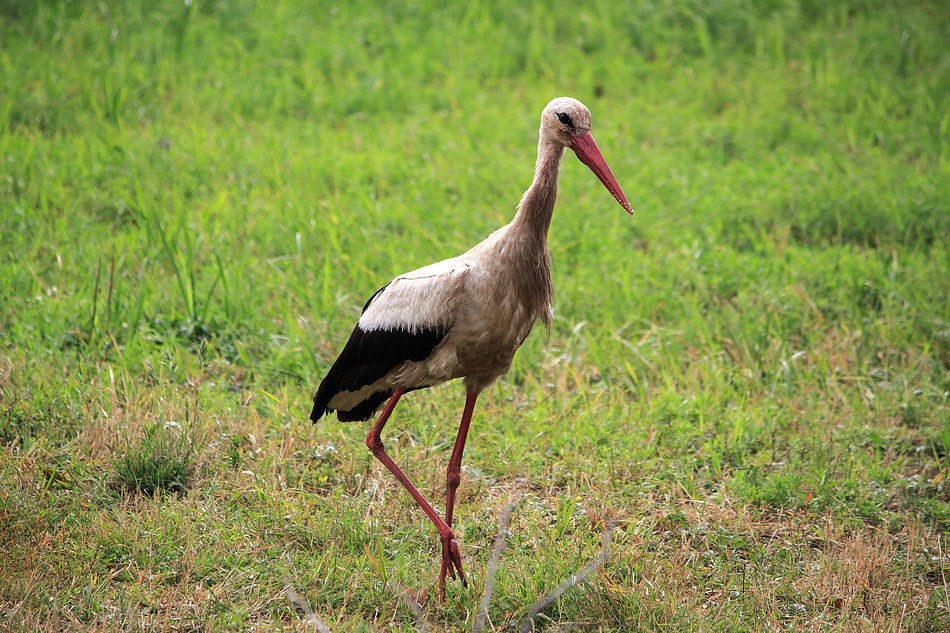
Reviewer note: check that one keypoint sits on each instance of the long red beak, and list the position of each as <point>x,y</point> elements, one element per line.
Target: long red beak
<point>587,150</point>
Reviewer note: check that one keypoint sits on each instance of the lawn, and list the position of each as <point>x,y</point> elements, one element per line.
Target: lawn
<point>739,420</point>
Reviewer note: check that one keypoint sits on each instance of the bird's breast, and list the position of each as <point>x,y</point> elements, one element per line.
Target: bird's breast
<point>497,318</point>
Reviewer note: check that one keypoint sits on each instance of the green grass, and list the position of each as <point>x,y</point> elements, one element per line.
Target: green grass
<point>750,378</point>
<point>162,460</point>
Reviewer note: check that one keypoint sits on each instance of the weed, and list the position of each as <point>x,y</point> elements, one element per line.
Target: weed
<point>164,459</point>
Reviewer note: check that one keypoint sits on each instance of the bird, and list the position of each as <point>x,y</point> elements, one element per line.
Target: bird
<point>463,317</point>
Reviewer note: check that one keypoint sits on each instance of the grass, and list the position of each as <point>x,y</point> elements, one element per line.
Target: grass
<point>163,460</point>
<point>749,380</point>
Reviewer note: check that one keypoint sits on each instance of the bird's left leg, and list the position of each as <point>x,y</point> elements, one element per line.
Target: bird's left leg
<point>453,477</point>
<point>450,548</point>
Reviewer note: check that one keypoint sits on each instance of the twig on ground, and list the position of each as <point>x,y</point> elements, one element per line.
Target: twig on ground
<point>492,572</point>
<point>568,583</point>
<point>309,617</point>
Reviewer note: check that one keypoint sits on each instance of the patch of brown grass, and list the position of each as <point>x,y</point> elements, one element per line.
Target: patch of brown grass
<point>709,564</point>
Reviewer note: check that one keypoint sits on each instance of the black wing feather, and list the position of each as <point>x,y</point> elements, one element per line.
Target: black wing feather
<point>367,357</point>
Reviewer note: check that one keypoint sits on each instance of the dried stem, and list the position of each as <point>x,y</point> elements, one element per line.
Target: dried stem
<point>309,617</point>
<point>568,583</point>
<point>492,572</point>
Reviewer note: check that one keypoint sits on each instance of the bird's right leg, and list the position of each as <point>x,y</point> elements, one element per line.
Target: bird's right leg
<point>450,548</point>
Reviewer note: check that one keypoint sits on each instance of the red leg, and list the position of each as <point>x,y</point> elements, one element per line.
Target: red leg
<point>451,558</point>
<point>453,477</point>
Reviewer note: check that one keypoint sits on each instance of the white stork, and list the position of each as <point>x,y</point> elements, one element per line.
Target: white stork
<point>463,317</point>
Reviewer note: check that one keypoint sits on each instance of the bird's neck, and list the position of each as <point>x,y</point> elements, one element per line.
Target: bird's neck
<point>537,204</point>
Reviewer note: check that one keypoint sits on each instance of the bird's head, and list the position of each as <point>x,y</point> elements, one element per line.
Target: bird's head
<point>566,122</point>
<point>563,119</point>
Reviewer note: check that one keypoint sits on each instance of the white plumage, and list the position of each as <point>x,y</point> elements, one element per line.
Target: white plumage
<point>417,299</point>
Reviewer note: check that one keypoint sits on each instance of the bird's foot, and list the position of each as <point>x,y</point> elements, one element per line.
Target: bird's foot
<point>451,562</point>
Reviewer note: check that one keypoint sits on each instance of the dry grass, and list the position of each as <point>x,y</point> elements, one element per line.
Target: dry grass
<point>798,571</point>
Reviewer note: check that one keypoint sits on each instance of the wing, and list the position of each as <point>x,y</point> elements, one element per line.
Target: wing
<point>403,322</point>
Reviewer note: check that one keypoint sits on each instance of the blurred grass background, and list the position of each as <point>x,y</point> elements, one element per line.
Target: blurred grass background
<point>751,376</point>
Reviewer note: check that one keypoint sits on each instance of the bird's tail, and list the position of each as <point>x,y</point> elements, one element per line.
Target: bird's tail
<point>318,409</point>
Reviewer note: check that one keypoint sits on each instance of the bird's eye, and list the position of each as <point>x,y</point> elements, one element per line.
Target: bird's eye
<point>565,120</point>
